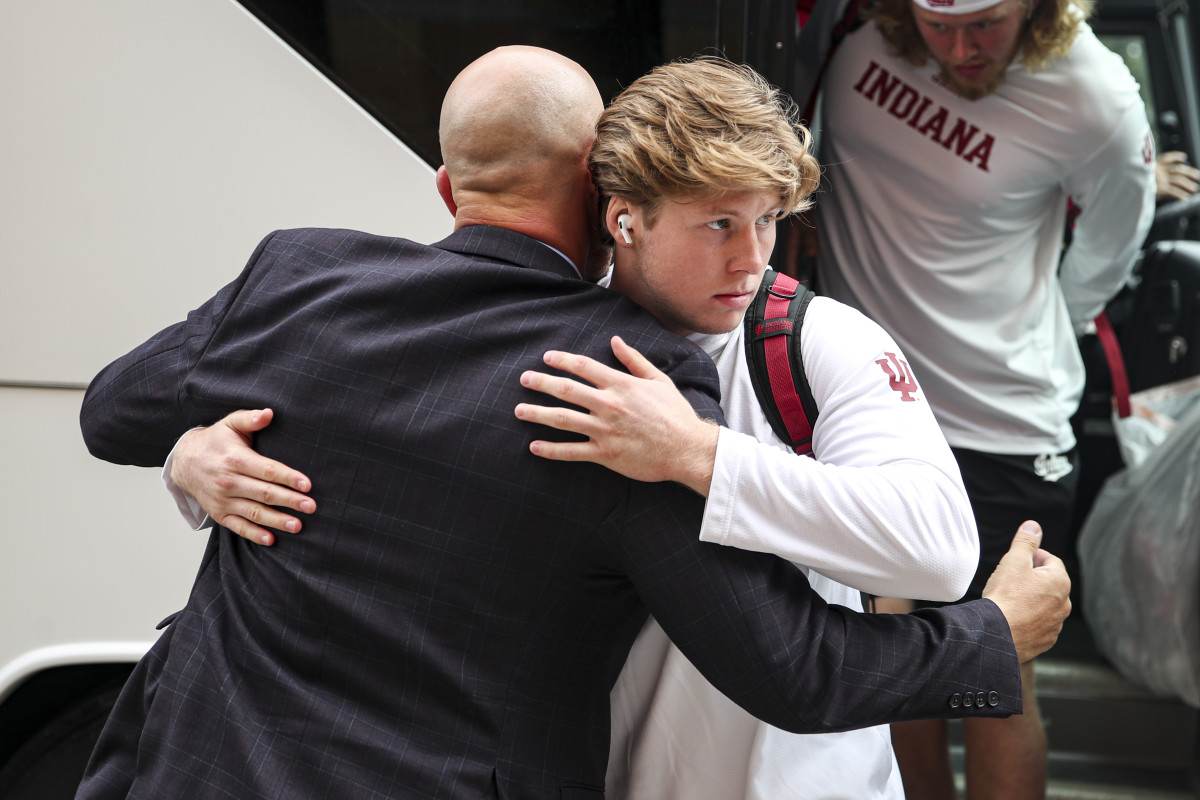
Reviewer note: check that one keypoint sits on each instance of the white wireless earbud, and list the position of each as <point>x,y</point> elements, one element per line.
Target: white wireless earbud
<point>623,223</point>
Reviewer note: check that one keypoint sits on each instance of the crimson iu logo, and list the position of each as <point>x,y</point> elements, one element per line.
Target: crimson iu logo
<point>899,376</point>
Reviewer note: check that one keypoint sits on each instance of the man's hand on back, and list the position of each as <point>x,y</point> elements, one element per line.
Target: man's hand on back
<point>238,488</point>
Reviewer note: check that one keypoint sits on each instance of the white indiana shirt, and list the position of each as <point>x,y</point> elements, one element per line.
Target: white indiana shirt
<point>881,509</point>
<point>944,224</point>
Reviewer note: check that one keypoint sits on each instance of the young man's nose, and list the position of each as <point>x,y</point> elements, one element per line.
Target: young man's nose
<point>748,253</point>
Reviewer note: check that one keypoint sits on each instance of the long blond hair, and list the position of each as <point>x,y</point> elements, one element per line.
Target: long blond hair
<point>1047,36</point>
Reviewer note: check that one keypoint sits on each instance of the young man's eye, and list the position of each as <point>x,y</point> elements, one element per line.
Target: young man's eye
<point>718,224</point>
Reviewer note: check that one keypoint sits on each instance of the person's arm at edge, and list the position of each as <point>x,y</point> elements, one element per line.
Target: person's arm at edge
<point>1174,177</point>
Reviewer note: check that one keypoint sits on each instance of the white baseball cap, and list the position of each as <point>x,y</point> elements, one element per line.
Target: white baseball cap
<point>956,6</point>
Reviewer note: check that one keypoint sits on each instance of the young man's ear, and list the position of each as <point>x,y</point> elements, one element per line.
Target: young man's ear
<point>445,190</point>
<point>621,221</point>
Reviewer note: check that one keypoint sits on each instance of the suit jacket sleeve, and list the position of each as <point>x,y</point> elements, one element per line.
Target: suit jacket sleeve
<point>135,409</point>
<point>755,629</point>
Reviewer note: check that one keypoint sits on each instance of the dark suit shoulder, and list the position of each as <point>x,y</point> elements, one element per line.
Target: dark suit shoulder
<point>332,246</point>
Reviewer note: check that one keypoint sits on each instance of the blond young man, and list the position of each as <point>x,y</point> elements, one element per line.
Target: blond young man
<point>691,156</point>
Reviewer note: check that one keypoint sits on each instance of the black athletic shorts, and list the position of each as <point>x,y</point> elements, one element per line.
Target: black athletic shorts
<point>1006,490</point>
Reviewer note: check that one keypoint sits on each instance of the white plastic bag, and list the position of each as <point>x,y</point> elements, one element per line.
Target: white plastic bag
<point>1139,556</point>
<point>1155,413</point>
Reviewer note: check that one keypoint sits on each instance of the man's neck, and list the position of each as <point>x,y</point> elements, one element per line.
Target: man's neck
<point>549,233</point>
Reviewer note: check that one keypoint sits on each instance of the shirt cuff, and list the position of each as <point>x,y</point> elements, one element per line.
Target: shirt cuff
<point>189,509</point>
<point>718,509</point>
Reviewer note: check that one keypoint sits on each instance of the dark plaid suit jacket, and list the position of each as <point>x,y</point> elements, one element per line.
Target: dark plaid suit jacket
<point>450,622</point>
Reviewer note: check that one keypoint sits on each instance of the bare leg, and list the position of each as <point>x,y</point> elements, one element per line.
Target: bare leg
<point>923,753</point>
<point>893,605</point>
<point>922,747</point>
<point>1006,758</point>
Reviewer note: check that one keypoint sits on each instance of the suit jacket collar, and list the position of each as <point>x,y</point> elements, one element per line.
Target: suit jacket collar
<point>500,244</point>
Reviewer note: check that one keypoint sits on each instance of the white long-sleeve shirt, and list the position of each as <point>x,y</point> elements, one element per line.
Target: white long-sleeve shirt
<point>944,223</point>
<point>881,508</point>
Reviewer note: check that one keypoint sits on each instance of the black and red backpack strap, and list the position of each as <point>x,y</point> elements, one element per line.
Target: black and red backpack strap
<point>773,324</point>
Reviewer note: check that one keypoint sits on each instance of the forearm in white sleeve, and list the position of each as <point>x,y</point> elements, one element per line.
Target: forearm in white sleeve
<point>883,508</point>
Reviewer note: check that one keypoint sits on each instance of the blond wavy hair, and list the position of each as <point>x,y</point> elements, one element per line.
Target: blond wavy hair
<point>1047,36</point>
<point>694,128</point>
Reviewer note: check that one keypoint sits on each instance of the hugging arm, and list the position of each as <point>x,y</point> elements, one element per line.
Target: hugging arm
<point>638,424</point>
<point>758,631</point>
<point>755,629</point>
<point>881,509</point>
<point>239,489</point>
<point>138,406</point>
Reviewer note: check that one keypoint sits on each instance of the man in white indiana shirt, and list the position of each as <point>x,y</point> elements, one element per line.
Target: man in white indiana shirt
<point>953,132</point>
<point>881,508</point>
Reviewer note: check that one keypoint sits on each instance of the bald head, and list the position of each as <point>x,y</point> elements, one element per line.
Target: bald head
<point>515,117</point>
<point>517,127</point>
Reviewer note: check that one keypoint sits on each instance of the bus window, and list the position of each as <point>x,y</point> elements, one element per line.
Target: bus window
<point>397,57</point>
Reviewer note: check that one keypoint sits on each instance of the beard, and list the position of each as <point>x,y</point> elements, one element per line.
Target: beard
<point>974,91</point>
